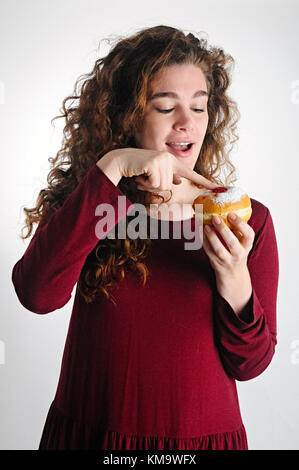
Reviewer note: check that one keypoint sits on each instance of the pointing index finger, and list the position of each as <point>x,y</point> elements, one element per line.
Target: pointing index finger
<point>191,175</point>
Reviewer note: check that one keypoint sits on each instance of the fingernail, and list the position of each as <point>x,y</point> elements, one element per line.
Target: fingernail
<point>232,216</point>
<point>216,219</point>
<point>207,229</point>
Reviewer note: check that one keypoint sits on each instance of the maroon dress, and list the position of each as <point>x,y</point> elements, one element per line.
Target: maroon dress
<point>158,369</point>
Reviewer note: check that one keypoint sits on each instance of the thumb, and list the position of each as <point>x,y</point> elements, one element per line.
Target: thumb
<point>176,179</point>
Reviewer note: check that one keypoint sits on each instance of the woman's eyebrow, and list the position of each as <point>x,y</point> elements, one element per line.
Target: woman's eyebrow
<point>171,94</point>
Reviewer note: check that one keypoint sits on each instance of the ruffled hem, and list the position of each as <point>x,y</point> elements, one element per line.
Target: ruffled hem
<point>62,433</point>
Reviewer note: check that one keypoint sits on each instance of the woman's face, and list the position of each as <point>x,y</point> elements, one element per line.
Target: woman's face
<point>176,112</point>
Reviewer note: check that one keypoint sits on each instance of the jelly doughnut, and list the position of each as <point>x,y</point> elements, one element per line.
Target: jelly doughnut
<point>223,200</point>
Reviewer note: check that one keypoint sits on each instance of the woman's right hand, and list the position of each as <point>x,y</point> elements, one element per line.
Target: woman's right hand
<point>155,170</point>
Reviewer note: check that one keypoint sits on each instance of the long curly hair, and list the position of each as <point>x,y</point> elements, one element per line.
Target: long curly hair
<point>104,113</point>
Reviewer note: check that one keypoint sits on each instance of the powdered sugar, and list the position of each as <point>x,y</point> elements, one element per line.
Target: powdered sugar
<point>233,194</point>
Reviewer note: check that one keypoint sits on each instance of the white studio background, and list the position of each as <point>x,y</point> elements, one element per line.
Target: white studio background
<point>45,46</point>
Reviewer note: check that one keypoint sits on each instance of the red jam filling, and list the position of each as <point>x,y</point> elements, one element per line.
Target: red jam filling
<point>219,190</point>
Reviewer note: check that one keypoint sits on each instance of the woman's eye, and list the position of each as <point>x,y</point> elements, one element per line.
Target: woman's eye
<point>169,110</point>
<point>164,110</point>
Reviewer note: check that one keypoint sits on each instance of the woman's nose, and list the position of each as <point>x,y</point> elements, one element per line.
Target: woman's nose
<point>184,122</point>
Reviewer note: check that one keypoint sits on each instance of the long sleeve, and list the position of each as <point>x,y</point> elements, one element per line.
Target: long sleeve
<point>247,342</point>
<point>45,275</point>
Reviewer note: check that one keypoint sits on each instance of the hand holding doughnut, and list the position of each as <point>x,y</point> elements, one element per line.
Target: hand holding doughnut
<point>228,258</point>
<point>233,279</point>
<point>231,259</point>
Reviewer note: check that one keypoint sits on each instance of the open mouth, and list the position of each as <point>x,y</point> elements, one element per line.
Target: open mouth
<point>179,147</point>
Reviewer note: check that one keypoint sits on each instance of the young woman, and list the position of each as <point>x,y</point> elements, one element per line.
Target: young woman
<point>150,365</point>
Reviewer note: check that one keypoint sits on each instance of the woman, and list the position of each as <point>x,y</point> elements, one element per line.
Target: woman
<point>151,365</point>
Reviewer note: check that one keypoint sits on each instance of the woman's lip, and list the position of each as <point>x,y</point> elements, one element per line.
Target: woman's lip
<point>180,153</point>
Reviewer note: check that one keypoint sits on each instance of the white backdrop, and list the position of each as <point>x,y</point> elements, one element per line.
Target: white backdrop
<point>45,45</point>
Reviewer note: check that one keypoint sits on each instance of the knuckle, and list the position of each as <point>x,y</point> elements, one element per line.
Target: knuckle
<point>155,183</point>
<point>160,156</point>
<point>166,157</point>
<point>219,252</point>
<point>232,243</point>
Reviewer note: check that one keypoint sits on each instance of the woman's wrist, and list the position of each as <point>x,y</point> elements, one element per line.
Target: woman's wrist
<point>236,290</point>
<point>109,166</point>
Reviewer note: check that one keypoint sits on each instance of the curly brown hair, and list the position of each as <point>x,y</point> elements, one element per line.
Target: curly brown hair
<point>104,114</point>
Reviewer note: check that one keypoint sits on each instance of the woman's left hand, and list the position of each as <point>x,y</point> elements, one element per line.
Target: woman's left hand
<point>230,262</point>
